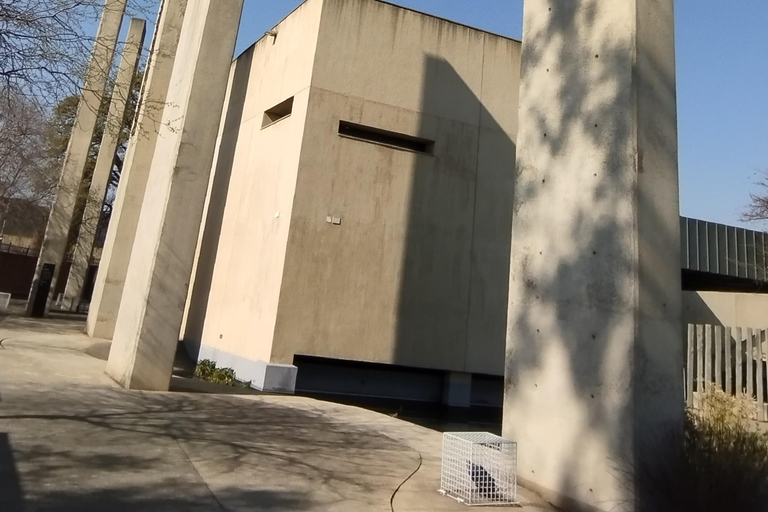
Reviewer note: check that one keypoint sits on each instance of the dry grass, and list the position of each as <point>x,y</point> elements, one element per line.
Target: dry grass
<point>719,464</point>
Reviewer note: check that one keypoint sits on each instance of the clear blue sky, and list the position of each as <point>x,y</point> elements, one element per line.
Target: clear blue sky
<point>722,61</point>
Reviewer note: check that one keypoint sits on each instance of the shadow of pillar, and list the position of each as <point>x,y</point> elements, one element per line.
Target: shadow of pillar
<point>11,495</point>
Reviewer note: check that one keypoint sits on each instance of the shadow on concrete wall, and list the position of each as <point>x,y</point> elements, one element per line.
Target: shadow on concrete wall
<point>697,311</point>
<point>577,307</point>
<point>454,281</point>
<point>192,330</point>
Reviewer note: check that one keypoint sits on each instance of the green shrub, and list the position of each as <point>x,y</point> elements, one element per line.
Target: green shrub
<point>719,464</point>
<point>207,370</point>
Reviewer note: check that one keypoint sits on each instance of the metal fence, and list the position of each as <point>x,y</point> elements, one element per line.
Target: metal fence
<point>16,249</point>
<point>728,358</point>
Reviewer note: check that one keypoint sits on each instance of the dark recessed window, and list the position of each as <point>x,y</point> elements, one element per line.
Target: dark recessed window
<point>278,112</point>
<point>385,138</point>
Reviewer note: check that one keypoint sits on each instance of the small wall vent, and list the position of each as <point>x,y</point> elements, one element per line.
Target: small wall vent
<point>278,112</point>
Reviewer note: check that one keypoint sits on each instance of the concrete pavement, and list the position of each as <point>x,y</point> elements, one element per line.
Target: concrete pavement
<point>72,440</point>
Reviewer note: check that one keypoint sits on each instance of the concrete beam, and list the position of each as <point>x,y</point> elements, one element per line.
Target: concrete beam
<point>152,306</point>
<point>108,287</point>
<point>594,353</point>
<point>113,127</point>
<point>54,246</point>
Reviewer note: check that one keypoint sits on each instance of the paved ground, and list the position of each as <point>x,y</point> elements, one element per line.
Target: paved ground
<point>71,440</point>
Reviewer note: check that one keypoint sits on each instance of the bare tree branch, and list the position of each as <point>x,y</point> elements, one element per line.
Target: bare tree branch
<point>758,206</point>
<point>45,45</point>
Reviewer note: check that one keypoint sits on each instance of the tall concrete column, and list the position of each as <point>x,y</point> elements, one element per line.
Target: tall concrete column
<point>594,355</point>
<point>54,244</point>
<point>152,306</point>
<point>113,127</point>
<point>108,287</point>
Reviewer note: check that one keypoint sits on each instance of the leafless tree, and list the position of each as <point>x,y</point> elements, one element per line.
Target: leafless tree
<point>25,170</point>
<point>45,45</point>
<point>26,174</point>
<point>758,205</point>
<point>45,48</point>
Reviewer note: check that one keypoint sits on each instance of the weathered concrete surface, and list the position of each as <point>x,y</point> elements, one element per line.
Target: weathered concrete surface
<point>156,285</point>
<point>104,162</point>
<point>434,229</point>
<point>594,352</point>
<point>239,271</point>
<point>108,288</point>
<point>72,440</point>
<point>416,273</point>
<point>54,244</point>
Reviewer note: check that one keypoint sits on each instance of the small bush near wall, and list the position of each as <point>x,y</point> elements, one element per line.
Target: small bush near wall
<point>206,370</point>
<point>719,464</point>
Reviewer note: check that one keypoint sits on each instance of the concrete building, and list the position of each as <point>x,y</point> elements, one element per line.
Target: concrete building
<point>358,224</point>
<point>22,224</point>
<point>360,206</point>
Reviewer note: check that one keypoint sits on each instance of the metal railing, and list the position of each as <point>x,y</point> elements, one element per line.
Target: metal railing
<point>17,249</point>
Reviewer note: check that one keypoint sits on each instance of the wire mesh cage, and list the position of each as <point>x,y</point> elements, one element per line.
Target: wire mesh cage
<point>479,468</point>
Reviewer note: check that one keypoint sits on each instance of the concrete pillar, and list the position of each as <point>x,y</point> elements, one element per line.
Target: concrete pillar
<point>108,287</point>
<point>594,354</point>
<point>457,389</point>
<point>103,170</point>
<point>152,306</point>
<point>54,244</point>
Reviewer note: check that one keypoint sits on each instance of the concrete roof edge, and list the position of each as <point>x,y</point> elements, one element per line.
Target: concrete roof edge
<point>470,27</point>
<point>273,27</point>
<point>453,22</point>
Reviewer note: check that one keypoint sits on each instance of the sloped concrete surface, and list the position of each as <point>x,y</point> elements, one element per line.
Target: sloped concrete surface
<point>72,440</point>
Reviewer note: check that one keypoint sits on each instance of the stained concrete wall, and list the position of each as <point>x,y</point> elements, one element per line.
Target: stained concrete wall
<point>593,378</point>
<point>415,274</point>
<point>727,309</point>
<point>241,257</point>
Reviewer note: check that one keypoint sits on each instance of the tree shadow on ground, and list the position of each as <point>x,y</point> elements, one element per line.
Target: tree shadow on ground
<point>132,499</point>
<point>115,450</point>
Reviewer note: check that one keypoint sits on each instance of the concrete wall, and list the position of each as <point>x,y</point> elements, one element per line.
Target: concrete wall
<point>416,273</point>
<point>727,309</point>
<point>245,260</point>
<point>594,359</point>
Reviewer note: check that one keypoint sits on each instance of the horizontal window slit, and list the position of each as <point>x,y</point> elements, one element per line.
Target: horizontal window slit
<point>386,138</point>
